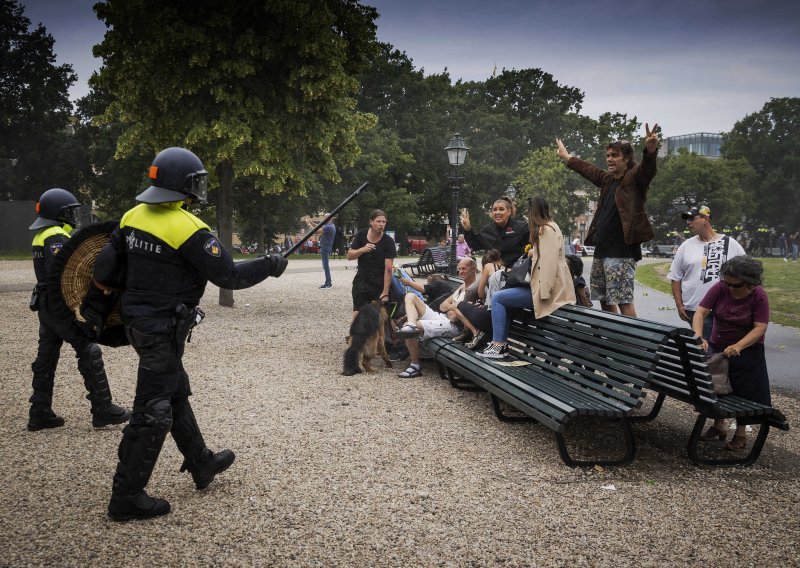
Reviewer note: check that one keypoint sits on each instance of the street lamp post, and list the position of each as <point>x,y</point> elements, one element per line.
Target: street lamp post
<point>456,154</point>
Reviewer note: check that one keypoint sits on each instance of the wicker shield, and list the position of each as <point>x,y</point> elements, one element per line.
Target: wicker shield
<point>71,275</point>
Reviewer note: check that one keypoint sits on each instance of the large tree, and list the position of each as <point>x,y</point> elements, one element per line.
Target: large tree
<point>687,180</point>
<point>262,89</point>
<point>37,148</point>
<point>768,140</point>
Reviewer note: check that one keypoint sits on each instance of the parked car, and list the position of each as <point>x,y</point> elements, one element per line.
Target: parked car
<point>416,246</point>
<point>587,251</point>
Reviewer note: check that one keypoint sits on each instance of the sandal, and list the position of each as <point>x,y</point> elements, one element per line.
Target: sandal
<point>463,337</point>
<point>408,331</point>
<point>738,443</point>
<point>477,341</point>
<point>713,433</point>
<point>411,372</point>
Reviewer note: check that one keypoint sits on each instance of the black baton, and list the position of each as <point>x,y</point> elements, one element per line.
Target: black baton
<point>330,216</point>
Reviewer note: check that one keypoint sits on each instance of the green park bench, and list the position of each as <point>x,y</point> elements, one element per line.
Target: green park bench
<point>432,260</point>
<point>682,373</point>
<point>595,364</point>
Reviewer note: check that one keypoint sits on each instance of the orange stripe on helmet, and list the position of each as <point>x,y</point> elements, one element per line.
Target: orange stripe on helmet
<point>153,172</point>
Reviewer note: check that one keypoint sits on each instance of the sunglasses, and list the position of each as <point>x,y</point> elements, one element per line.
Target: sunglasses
<point>735,286</point>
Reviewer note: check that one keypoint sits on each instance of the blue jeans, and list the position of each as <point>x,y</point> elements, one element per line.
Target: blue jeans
<point>502,301</point>
<point>326,265</point>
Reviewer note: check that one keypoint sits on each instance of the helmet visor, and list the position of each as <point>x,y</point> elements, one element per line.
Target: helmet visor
<point>197,186</point>
<point>72,215</point>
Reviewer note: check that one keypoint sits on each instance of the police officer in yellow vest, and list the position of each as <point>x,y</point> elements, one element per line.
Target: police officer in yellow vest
<point>56,216</point>
<point>169,255</point>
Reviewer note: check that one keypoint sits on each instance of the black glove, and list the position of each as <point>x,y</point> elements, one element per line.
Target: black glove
<point>95,309</point>
<point>277,264</point>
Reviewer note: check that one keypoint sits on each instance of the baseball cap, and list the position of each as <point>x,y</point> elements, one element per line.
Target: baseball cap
<point>695,211</point>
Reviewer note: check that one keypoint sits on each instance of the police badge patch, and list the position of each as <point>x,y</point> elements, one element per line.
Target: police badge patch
<point>213,247</point>
<point>55,247</point>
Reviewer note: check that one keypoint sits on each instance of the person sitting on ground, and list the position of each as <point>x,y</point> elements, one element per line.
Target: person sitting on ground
<point>425,322</point>
<point>550,285</point>
<point>575,265</point>
<point>475,316</point>
<point>741,316</point>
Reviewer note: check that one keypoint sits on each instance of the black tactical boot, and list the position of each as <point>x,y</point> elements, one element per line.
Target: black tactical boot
<point>141,444</point>
<point>42,418</point>
<point>92,368</point>
<point>210,464</point>
<point>112,414</point>
<point>139,506</point>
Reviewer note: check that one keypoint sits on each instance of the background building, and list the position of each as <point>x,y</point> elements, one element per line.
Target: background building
<point>701,143</point>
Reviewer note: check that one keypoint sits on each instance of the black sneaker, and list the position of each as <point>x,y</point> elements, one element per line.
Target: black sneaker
<point>494,351</point>
<point>396,355</point>
<point>112,415</point>
<point>44,419</point>
<point>139,506</point>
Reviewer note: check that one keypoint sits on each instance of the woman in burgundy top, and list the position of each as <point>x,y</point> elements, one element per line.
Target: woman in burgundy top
<point>741,316</point>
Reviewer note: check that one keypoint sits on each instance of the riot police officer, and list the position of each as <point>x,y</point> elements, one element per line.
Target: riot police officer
<point>168,256</point>
<point>56,217</point>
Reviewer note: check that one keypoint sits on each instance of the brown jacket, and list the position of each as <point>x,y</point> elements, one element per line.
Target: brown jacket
<point>630,197</point>
<point>551,283</point>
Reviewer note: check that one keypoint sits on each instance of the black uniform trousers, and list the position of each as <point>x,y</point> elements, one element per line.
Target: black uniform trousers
<point>161,404</point>
<point>53,332</point>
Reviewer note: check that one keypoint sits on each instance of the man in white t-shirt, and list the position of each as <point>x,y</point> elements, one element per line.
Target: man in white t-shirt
<point>697,263</point>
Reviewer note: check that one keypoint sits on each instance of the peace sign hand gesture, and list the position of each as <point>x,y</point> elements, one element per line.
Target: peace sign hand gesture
<point>561,150</point>
<point>651,140</point>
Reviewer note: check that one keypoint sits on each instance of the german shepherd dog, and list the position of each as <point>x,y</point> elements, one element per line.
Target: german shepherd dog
<point>366,339</point>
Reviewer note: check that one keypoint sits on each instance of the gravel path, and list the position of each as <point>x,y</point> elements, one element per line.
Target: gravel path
<point>365,470</point>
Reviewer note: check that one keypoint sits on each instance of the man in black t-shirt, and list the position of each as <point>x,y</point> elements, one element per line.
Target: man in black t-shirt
<point>375,252</point>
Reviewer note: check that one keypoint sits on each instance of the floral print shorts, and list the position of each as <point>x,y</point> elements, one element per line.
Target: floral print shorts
<point>612,280</point>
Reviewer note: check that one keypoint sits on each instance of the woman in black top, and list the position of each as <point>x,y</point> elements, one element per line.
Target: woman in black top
<point>375,252</point>
<point>506,234</point>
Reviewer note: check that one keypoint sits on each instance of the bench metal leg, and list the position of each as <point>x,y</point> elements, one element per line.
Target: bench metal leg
<point>459,382</point>
<point>630,449</point>
<point>749,459</point>
<point>653,411</point>
<point>507,417</point>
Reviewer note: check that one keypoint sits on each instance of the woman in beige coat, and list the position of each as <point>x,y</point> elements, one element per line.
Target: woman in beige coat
<point>550,286</point>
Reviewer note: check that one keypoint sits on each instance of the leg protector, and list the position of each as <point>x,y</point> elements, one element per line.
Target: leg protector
<point>93,371</point>
<point>201,462</point>
<point>41,413</point>
<point>141,444</point>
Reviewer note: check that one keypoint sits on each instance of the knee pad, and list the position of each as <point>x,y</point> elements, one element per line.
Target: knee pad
<point>90,359</point>
<point>158,414</point>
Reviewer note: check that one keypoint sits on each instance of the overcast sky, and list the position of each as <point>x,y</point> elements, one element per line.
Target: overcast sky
<point>690,65</point>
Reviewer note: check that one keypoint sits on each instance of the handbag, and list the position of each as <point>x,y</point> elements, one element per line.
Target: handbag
<point>718,367</point>
<point>520,273</point>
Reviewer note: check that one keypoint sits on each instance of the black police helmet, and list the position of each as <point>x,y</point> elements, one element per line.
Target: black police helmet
<point>55,207</point>
<point>176,174</point>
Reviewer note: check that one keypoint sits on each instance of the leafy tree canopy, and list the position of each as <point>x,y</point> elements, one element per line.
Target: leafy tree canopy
<point>768,140</point>
<point>37,149</point>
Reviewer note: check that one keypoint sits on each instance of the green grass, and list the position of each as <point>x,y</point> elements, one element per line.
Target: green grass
<point>781,283</point>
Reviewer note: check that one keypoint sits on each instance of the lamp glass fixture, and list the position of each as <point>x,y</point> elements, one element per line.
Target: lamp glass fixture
<point>457,150</point>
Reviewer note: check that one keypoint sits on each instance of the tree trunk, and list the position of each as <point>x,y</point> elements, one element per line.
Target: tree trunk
<point>262,237</point>
<point>225,218</point>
